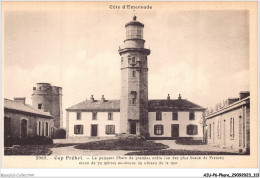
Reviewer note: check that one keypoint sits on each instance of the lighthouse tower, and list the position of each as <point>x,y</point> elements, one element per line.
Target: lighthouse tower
<point>134,81</point>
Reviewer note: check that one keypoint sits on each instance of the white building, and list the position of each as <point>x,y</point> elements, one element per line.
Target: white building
<point>167,119</point>
<point>134,113</point>
<point>229,126</point>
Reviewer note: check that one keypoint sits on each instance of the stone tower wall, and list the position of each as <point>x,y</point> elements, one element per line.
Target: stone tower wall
<point>51,99</point>
<point>134,86</point>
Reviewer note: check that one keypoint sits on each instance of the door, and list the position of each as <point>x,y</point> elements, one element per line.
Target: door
<point>7,126</point>
<point>23,128</point>
<point>93,130</point>
<point>133,128</point>
<point>175,130</point>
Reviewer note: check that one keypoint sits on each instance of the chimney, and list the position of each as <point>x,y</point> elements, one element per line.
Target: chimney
<point>20,99</point>
<point>243,94</point>
<point>168,97</point>
<point>232,100</point>
<point>179,97</point>
<point>102,99</point>
<point>92,99</point>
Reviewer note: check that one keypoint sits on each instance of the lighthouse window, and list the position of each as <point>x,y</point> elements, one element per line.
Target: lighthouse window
<point>133,73</point>
<point>133,100</point>
<point>133,60</point>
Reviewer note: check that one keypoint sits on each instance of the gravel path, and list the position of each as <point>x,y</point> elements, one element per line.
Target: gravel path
<point>172,145</point>
<point>70,150</point>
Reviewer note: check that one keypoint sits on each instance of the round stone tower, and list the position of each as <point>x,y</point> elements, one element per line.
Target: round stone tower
<point>134,81</point>
<point>48,98</point>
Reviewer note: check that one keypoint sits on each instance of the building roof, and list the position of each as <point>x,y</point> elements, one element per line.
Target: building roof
<point>172,104</point>
<point>97,105</point>
<point>134,22</point>
<point>153,105</point>
<point>17,106</point>
<point>229,107</point>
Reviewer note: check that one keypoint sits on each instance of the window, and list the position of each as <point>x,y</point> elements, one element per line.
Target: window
<point>133,99</point>
<point>39,106</point>
<point>158,130</point>
<point>24,128</point>
<point>192,129</point>
<point>133,31</point>
<point>133,74</point>
<point>174,116</point>
<point>219,129</point>
<point>42,132</point>
<point>192,116</point>
<point>7,126</point>
<point>209,130</point>
<point>39,128</point>
<point>133,60</point>
<point>110,116</point>
<point>94,116</point>
<point>47,129</point>
<point>78,129</point>
<point>158,116</point>
<point>78,116</point>
<point>232,128</point>
<point>110,129</point>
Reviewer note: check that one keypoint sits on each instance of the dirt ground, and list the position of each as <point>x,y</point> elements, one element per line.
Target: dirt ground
<point>70,150</point>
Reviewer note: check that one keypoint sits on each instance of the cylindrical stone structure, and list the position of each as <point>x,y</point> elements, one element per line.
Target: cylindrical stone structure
<point>48,98</point>
<point>134,81</point>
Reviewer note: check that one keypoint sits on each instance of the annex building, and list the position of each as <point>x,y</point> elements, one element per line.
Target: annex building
<point>228,126</point>
<point>134,113</point>
<point>43,118</point>
<point>22,120</point>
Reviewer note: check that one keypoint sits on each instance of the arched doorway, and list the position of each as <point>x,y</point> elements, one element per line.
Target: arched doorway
<point>23,128</point>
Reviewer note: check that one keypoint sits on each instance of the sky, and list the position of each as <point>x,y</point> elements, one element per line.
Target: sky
<point>202,55</point>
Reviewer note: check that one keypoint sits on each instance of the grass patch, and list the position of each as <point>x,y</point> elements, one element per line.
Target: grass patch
<point>122,144</point>
<point>189,142</point>
<point>180,152</point>
<point>66,144</point>
<point>29,150</point>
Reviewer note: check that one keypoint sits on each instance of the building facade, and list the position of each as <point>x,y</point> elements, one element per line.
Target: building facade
<point>93,118</point>
<point>22,120</point>
<point>167,119</point>
<point>134,113</point>
<point>229,126</point>
<point>48,98</point>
